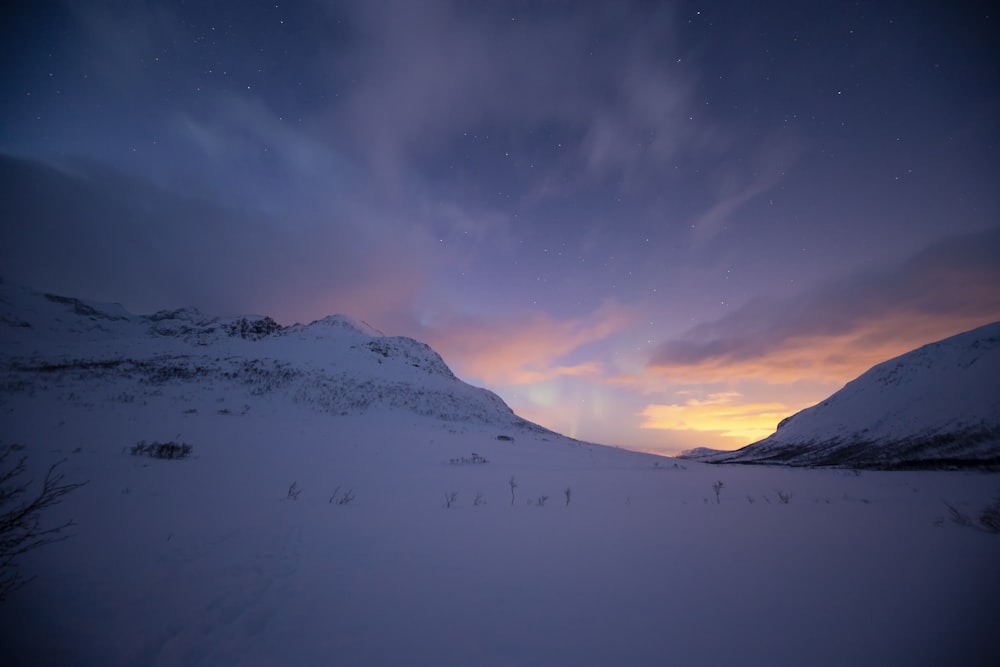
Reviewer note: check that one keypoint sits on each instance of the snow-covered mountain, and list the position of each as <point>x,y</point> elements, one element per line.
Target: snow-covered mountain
<point>343,499</point>
<point>936,406</point>
<point>334,365</point>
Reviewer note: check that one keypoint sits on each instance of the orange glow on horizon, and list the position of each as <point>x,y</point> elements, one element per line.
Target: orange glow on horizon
<point>719,402</point>
<point>716,402</point>
<point>724,414</point>
<point>817,361</point>
<point>526,350</point>
<point>836,358</point>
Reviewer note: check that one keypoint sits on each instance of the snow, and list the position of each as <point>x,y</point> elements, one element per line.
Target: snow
<point>937,405</point>
<point>208,561</point>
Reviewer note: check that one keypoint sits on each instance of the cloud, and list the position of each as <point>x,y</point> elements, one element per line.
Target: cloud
<point>96,231</point>
<point>428,72</point>
<point>737,186</point>
<point>525,349</point>
<point>840,329</point>
<point>238,150</point>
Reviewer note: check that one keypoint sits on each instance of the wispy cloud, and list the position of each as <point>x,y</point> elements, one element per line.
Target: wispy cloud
<point>112,235</point>
<point>430,71</point>
<point>738,184</point>
<point>790,353</point>
<point>840,329</point>
<point>524,349</point>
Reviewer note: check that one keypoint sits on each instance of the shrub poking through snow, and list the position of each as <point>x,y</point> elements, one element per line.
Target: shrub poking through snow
<point>958,516</point>
<point>990,517</point>
<point>293,491</point>
<point>568,492</point>
<point>717,487</point>
<point>344,499</point>
<point>783,497</point>
<point>450,498</point>
<point>988,520</point>
<point>479,499</point>
<point>513,485</point>
<point>162,450</point>
<point>476,459</point>
<point>20,515</point>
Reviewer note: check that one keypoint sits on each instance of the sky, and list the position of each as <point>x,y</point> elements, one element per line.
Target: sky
<point>657,225</point>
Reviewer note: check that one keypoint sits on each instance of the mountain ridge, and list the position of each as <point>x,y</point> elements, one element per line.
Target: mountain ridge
<point>336,365</point>
<point>935,406</point>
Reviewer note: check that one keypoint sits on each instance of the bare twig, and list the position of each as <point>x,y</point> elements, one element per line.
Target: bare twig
<point>717,487</point>
<point>20,525</point>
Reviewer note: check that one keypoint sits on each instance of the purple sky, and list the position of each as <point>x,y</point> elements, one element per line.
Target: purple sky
<point>657,225</point>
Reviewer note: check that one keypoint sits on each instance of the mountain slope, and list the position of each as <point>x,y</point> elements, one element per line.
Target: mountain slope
<point>938,405</point>
<point>335,365</point>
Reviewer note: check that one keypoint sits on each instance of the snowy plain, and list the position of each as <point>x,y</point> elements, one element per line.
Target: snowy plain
<point>210,560</point>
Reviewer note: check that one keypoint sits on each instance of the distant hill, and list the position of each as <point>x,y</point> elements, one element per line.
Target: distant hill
<point>700,453</point>
<point>936,406</point>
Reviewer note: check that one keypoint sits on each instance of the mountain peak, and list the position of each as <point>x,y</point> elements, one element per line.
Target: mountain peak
<point>344,323</point>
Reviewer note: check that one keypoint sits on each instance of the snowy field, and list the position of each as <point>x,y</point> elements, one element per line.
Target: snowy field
<point>310,525</point>
<point>209,561</point>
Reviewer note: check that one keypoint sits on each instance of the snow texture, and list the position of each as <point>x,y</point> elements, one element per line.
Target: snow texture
<point>310,526</point>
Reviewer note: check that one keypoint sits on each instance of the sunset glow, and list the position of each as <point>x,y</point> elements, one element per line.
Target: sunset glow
<point>654,225</point>
<point>724,414</point>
